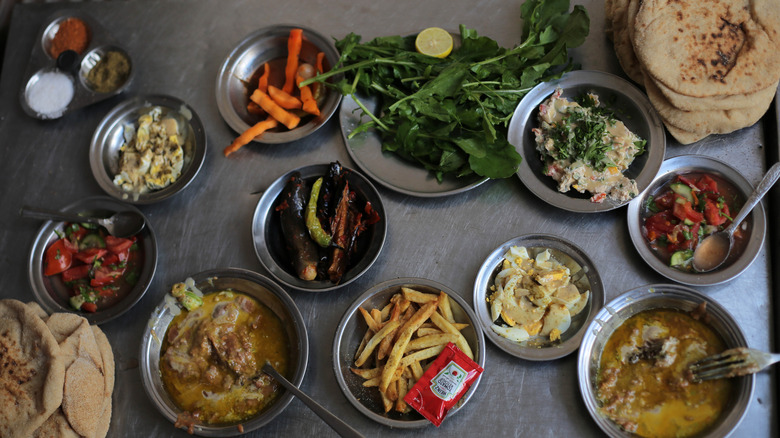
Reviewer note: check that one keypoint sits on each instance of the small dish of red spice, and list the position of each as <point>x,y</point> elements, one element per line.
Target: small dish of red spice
<point>72,34</point>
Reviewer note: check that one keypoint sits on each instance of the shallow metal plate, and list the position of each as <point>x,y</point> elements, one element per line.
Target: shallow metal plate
<point>248,56</point>
<point>633,109</point>
<point>239,280</point>
<point>650,297</point>
<point>53,295</point>
<point>388,169</point>
<point>352,327</point>
<point>41,61</point>
<point>566,253</point>
<point>269,242</point>
<point>738,261</point>
<point>109,137</point>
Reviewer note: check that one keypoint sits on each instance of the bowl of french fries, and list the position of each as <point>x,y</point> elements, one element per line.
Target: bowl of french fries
<point>389,335</point>
<point>258,91</point>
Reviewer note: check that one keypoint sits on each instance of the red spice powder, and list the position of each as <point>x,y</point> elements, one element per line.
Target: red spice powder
<point>72,34</point>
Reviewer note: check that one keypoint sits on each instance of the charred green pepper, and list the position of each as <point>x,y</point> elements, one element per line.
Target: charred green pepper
<point>313,224</point>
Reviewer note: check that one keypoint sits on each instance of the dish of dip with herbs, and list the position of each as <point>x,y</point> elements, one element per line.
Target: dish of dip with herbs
<point>586,148</point>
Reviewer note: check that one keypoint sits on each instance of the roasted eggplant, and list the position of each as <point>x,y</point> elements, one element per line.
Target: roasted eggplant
<point>300,247</point>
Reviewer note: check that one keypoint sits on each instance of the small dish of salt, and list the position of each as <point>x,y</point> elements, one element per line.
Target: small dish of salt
<point>48,93</point>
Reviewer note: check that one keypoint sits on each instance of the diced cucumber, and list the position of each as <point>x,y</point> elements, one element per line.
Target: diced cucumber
<point>681,258</point>
<point>683,190</point>
<point>92,240</point>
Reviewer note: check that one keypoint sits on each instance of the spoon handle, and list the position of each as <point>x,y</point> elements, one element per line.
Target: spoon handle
<point>766,183</point>
<point>45,214</point>
<point>336,423</point>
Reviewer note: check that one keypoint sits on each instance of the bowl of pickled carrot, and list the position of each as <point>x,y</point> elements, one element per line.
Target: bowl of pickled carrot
<point>258,86</point>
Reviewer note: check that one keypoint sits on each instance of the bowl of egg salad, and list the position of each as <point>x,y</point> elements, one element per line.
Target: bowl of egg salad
<point>147,148</point>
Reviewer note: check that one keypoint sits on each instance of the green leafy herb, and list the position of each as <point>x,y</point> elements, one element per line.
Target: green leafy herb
<point>650,205</point>
<point>450,115</point>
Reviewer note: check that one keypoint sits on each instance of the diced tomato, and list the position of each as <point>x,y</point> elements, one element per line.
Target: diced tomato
<point>706,183</point>
<point>658,224</point>
<point>71,244</point>
<point>57,258</point>
<point>684,211</point>
<point>105,291</point>
<point>117,244</point>
<point>89,307</point>
<point>78,233</point>
<point>687,181</point>
<point>105,275</point>
<point>75,273</point>
<point>666,201</point>
<point>712,213</point>
<point>89,255</point>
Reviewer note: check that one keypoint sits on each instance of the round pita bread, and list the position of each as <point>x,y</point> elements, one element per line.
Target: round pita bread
<point>683,137</point>
<point>56,426</point>
<point>624,50</point>
<point>109,369</point>
<point>83,396</point>
<point>704,122</point>
<point>31,370</point>
<point>705,48</point>
<point>734,101</point>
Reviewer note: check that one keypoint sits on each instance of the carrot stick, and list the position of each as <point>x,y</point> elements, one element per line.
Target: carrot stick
<point>294,43</point>
<point>317,87</point>
<point>309,102</point>
<point>262,83</point>
<point>250,134</point>
<point>280,114</point>
<point>284,100</point>
<point>254,108</point>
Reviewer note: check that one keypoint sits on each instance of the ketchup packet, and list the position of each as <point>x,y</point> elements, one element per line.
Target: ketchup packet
<point>443,384</point>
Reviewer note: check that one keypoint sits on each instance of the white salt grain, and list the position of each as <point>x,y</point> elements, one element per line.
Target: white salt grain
<point>50,94</point>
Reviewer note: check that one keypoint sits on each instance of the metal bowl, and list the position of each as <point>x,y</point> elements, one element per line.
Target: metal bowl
<point>266,45</point>
<point>52,294</point>
<point>352,327</point>
<point>388,169</point>
<point>109,137</point>
<point>239,280</point>
<point>269,242</point>
<point>651,297</point>
<point>633,109</point>
<point>741,256</point>
<point>565,252</point>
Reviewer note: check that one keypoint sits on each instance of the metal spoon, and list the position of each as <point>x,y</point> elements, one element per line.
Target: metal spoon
<point>714,249</point>
<point>124,223</point>
<point>337,424</point>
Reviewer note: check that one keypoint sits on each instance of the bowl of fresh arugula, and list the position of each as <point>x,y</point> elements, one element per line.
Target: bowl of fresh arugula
<point>446,118</point>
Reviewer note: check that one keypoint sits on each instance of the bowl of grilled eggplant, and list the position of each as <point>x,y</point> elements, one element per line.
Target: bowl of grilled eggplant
<point>319,227</point>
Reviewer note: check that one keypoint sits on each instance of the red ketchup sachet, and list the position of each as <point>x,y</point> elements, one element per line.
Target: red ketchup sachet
<point>443,384</point>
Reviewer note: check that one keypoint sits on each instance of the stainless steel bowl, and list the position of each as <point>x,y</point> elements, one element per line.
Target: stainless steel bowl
<point>104,151</point>
<point>239,280</point>
<point>566,253</point>
<point>742,256</point>
<point>269,242</point>
<point>652,297</point>
<point>352,327</point>
<point>52,294</point>
<point>241,64</point>
<point>633,109</point>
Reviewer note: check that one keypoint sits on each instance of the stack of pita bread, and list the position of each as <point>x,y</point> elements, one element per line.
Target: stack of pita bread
<point>56,374</point>
<point>708,66</point>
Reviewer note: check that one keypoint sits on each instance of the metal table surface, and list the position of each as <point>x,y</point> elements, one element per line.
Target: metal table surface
<point>177,49</point>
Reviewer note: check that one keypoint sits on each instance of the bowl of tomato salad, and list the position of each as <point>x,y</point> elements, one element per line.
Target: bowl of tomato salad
<point>81,268</point>
<point>692,197</point>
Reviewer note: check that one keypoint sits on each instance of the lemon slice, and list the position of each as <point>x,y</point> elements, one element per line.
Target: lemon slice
<point>434,41</point>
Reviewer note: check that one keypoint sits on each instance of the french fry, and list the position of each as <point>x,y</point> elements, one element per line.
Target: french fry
<point>386,402</point>
<point>392,390</point>
<point>422,355</point>
<point>395,315</point>
<point>427,331</point>
<point>446,327</point>
<point>377,315</point>
<point>417,370</point>
<point>430,341</point>
<point>444,307</point>
<point>367,373</point>
<point>404,336</point>
<point>416,296</point>
<point>400,404</point>
<point>372,323</point>
<point>375,340</point>
<point>364,341</point>
<point>460,325</point>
